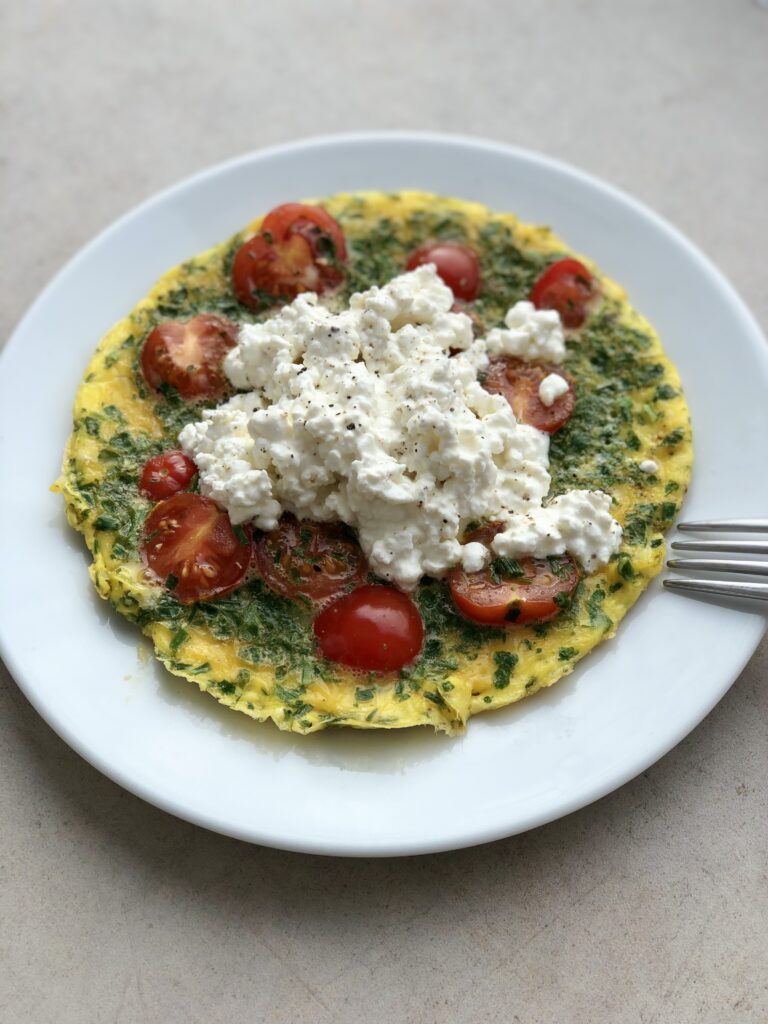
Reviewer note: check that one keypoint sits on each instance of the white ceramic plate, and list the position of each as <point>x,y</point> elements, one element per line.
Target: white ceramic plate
<point>88,672</point>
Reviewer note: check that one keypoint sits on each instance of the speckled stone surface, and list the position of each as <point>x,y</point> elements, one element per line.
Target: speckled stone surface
<point>649,907</point>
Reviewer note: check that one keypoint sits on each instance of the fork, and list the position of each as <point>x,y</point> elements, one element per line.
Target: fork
<point>751,567</point>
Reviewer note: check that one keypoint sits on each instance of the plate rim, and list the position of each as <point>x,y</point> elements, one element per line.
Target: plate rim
<point>751,330</point>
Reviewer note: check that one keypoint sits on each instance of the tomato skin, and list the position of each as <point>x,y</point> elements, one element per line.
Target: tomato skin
<point>166,474</point>
<point>188,355</point>
<point>568,287</point>
<point>262,271</point>
<point>457,265</point>
<point>188,537</point>
<point>519,382</point>
<point>305,559</point>
<point>515,601</point>
<point>309,221</point>
<point>299,249</point>
<point>373,629</point>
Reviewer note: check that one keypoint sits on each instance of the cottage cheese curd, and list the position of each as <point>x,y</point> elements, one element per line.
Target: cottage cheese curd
<point>364,416</point>
<point>530,334</point>
<point>551,388</point>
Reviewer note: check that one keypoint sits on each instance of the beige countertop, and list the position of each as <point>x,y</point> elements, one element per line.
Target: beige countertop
<point>650,906</point>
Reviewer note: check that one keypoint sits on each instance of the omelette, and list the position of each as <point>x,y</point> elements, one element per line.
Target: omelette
<point>253,647</point>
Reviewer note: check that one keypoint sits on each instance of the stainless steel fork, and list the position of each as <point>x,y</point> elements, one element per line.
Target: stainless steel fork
<point>750,566</point>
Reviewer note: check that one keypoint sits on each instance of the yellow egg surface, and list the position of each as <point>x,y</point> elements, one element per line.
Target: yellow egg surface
<point>253,650</point>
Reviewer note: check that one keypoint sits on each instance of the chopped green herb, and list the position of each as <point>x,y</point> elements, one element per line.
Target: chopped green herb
<point>105,523</point>
<point>435,698</point>
<point>199,670</point>
<point>505,569</point>
<point>178,639</point>
<point>560,566</point>
<point>625,568</point>
<point>505,663</point>
<point>597,616</point>
<point>673,438</point>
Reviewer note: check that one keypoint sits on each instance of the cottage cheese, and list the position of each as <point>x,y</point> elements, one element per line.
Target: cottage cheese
<point>364,416</point>
<point>551,388</point>
<point>531,334</point>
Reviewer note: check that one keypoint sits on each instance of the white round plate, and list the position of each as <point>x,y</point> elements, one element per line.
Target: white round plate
<point>342,792</point>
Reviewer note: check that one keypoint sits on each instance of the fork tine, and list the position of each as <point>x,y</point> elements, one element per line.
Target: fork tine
<point>727,525</point>
<point>726,588</point>
<point>735,547</point>
<point>753,590</point>
<point>720,565</point>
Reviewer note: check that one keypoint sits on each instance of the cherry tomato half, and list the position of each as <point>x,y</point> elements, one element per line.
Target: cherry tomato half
<point>304,559</point>
<point>190,544</point>
<point>456,264</point>
<point>312,222</point>
<point>166,474</point>
<point>373,629</point>
<point>513,591</point>
<point>519,383</point>
<point>188,355</point>
<point>568,287</point>
<point>299,249</point>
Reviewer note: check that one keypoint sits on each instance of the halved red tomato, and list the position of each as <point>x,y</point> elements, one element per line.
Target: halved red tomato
<point>188,355</point>
<point>568,287</point>
<point>166,474</point>
<point>457,265</point>
<point>513,591</point>
<point>373,629</point>
<point>299,248</point>
<point>312,222</point>
<point>305,559</point>
<point>191,545</point>
<point>519,382</point>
